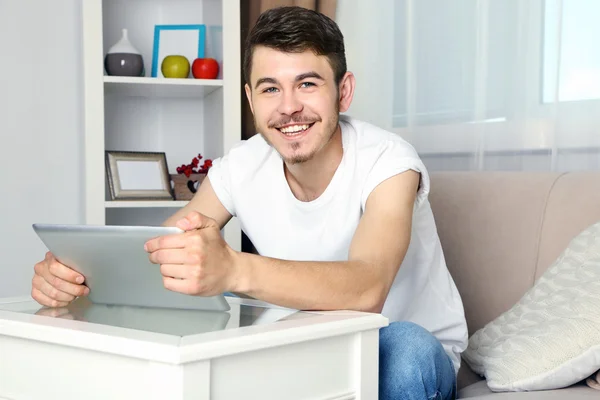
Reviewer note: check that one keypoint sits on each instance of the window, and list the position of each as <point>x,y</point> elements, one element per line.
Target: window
<point>571,50</point>
<point>461,60</point>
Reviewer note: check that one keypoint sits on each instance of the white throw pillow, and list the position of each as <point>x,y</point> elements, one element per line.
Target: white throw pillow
<point>551,337</point>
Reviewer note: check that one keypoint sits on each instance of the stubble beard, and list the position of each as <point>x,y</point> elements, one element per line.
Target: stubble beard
<point>302,158</point>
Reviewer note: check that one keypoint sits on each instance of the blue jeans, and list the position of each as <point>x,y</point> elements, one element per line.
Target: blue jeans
<point>413,364</point>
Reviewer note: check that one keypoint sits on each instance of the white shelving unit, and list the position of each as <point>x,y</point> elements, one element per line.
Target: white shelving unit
<point>160,87</point>
<point>180,117</point>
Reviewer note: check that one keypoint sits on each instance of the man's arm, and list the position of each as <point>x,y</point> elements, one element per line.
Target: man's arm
<point>361,283</point>
<point>206,202</point>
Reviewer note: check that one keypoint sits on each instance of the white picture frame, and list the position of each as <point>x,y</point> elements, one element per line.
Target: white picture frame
<point>137,175</point>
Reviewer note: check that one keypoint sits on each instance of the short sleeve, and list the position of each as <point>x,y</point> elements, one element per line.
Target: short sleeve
<point>220,180</point>
<point>396,157</point>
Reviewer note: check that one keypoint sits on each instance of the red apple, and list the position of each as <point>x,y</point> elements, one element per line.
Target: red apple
<point>205,68</point>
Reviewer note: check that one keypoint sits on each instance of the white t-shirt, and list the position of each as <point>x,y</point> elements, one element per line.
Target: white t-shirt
<point>250,183</point>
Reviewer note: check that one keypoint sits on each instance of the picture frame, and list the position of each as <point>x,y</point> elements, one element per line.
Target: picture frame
<point>185,40</point>
<point>138,175</point>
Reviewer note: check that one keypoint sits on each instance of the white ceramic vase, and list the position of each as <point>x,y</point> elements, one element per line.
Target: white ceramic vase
<point>123,59</point>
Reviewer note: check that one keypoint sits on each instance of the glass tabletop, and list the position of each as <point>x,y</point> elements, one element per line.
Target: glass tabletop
<point>178,322</point>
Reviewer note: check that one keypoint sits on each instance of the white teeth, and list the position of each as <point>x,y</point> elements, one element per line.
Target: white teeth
<point>294,129</point>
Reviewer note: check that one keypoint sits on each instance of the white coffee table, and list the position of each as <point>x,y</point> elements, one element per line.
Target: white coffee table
<point>255,351</point>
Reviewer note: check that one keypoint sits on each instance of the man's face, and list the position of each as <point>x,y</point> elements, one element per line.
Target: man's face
<point>295,101</point>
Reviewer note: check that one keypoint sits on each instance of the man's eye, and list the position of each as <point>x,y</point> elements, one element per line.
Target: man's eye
<point>270,90</point>
<point>307,84</point>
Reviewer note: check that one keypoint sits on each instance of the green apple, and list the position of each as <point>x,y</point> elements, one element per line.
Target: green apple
<point>175,66</point>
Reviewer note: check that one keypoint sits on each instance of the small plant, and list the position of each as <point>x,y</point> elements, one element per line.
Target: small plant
<point>194,167</point>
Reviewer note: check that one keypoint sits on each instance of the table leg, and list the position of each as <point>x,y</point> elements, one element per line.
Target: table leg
<point>367,365</point>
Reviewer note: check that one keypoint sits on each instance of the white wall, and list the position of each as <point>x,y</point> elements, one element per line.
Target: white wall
<point>40,130</point>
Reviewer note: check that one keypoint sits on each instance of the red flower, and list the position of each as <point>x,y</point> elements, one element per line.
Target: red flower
<point>194,167</point>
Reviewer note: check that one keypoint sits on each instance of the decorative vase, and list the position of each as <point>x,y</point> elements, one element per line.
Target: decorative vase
<point>184,187</point>
<point>123,59</point>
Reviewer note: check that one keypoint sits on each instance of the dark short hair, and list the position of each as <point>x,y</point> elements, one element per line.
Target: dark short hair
<point>295,30</point>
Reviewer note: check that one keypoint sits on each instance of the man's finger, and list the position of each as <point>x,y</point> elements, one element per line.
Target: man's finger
<point>63,272</point>
<point>45,300</point>
<point>179,285</point>
<point>54,280</point>
<point>195,220</point>
<point>170,256</point>
<point>174,241</point>
<point>177,271</point>
<point>52,292</point>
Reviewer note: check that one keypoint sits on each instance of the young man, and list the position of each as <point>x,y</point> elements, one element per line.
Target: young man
<point>337,209</point>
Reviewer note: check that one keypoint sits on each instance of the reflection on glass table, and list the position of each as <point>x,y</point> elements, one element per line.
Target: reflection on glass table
<point>178,322</point>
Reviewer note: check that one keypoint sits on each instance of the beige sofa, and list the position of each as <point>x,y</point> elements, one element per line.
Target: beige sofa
<point>500,231</point>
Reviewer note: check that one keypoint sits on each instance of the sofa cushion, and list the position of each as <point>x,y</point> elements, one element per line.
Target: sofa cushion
<point>551,337</point>
<point>480,391</point>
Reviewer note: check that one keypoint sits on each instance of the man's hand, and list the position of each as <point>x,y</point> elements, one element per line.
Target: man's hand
<point>196,262</point>
<point>56,285</point>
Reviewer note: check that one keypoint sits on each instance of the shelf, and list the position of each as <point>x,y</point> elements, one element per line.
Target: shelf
<point>145,204</point>
<point>160,87</point>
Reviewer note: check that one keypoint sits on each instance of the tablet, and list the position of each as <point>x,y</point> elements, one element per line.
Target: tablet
<point>116,267</point>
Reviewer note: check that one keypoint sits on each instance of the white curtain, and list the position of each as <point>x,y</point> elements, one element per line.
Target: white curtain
<point>480,84</point>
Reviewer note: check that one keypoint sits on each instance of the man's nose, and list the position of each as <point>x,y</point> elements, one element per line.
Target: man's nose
<point>289,104</point>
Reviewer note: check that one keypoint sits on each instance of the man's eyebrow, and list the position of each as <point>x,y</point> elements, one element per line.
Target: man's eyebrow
<point>311,74</point>
<point>265,80</point>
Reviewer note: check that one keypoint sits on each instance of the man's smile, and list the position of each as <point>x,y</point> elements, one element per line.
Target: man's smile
<point>295,130</point>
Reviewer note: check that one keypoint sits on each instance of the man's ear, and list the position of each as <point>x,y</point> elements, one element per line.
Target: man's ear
<point>249,97</point>
<point>346,91</point>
